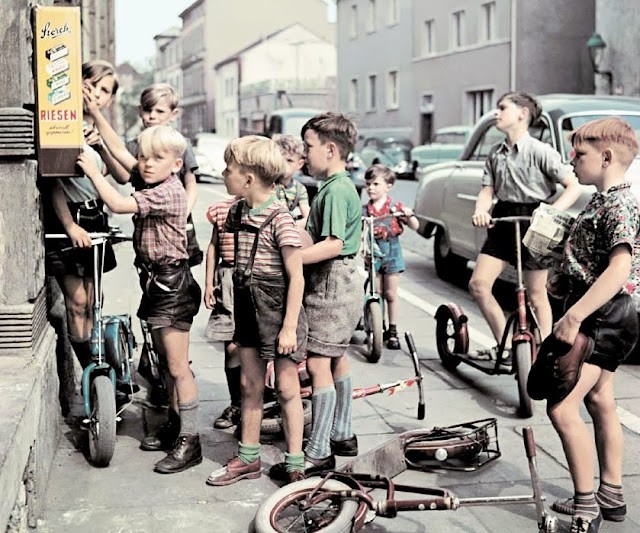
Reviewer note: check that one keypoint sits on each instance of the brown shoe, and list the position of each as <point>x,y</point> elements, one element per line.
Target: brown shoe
<point>186,453</point>
<point>235,470</point>
<point>296,475</point>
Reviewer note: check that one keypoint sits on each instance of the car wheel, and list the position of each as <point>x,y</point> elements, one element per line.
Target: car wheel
<point>449,266</point>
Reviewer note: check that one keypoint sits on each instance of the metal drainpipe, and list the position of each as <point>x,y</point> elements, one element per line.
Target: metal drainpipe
<point>514,36</point>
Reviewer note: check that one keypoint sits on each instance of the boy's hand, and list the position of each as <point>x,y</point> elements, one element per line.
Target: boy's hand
<point>407,212</point>
<point>88,165</point>
<point>209,296</point>
<point>481,219</point>
<point>287,343</point>
<point>92,138</point>
<point>78,236</point>
<point>566,329</point>
<point>89,100</point>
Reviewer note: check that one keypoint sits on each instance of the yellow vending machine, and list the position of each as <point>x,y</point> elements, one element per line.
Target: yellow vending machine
<point>58,75</point>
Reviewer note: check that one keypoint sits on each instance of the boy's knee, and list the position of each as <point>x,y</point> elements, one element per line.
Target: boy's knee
<point>479,288</point>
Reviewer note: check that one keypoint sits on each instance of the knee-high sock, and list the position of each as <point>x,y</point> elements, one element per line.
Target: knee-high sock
<point>323,401</point>
<point>341,429</point>
<point>189,417</point>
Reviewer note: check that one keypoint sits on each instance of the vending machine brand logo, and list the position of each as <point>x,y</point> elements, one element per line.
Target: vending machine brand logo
<point>53,32</point>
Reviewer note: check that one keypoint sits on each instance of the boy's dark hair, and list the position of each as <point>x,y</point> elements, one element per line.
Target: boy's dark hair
<point>334,127</point>
<point>96,69</point>
<point>380,171</point>
<point>152,95</point>
<point>522,99</point>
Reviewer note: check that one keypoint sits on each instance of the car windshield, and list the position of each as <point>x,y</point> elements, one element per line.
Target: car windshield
<point>571,122</point>
<point>293,125</point>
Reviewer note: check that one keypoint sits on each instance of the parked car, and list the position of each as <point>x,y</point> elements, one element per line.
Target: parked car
<point>447,192</point>
<point>447,145</point>
<point>209,151</point>
<point>390,150</point>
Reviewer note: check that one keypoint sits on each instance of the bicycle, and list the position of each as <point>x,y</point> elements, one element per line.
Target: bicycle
<point>340,501</point>
<point>373,310</point>
<point>452,336</point>
<point>109,375</point>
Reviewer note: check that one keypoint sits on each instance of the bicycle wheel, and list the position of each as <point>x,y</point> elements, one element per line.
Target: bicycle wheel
<point>522,361</point>
<point>272,417</point>
<point>282,511</point>
<point>102,426</point>
<point>452,336</point>
<point>373,319</point>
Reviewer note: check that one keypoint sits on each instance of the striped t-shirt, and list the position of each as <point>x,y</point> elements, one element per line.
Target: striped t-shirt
<point>217,215</point>
<point>280,232</point>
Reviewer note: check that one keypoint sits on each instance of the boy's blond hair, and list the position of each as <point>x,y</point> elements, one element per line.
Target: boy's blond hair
<point>380,171</point>
<point>160,139</point>
<point>154,93</point>
<point>613,133</point>
<point>289,145</point>
<point>257,155</point>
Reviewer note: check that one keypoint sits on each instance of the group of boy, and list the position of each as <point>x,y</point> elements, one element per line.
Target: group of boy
<point>283,315</point>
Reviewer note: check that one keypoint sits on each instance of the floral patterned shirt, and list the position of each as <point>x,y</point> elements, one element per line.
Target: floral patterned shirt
<point>609,219</point>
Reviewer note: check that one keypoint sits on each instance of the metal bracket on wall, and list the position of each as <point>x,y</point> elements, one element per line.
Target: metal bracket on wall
<point>16,132</point>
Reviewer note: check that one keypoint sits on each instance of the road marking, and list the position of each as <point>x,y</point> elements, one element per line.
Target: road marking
<point>629,420</point>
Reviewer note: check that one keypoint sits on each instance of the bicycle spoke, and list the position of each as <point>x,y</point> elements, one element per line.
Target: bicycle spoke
<point>293,518</point>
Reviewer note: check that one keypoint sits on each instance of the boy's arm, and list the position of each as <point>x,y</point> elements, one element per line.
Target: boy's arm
<point>114,168</point>
<point>304,211</point>
<point>77,235</point>
<point>114,200</point>
<point>292,258</point>
<point>191,188</point>
<point>482,215</point>
<point>605,287</point>
<point>109,136</point>
<point>570,194</point>
<point>210,269</point>
<point>321,251</point>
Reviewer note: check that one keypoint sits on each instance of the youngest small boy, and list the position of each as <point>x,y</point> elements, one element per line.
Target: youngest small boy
<point>288,189</point>
<point>170,295</point>
<point>380,180</point>
<point>600,270</point>
<point>269,319</point>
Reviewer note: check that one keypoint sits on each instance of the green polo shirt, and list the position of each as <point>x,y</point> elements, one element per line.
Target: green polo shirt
<point>336,212</point>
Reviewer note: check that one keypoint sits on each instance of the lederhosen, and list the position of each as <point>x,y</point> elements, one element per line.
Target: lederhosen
<point>260,300</point>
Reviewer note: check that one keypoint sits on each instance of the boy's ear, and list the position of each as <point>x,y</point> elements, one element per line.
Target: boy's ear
<point>607,156</point>
<point>140,110</point>
<point>178,165</point>
<point>175,113</point>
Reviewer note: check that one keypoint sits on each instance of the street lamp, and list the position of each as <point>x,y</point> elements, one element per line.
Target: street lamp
<point>596,46</point>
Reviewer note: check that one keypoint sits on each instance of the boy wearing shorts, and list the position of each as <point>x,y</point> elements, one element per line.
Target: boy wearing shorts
<point>333,292</point>
<point>218,296</point>
<point>270,323</point>
<point>288,189</point>
<point>600,270</point>
<point>387,231</point>
<point>170,295</point>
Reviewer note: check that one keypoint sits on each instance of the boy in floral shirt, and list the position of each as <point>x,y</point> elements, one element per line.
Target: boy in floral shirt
<point>600,269</point>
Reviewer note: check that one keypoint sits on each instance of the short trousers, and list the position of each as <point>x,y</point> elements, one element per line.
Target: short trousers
<point>391,261</point>
<point>170,295</point>
<point>221,324</point>
<point>333,300</point>
<point>259,314</point>
<point>501,238</point>
<point>63,260</point>
<point>614,327</point>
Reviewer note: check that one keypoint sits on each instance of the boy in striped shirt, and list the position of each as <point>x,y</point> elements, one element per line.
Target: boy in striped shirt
<point>270,323</point>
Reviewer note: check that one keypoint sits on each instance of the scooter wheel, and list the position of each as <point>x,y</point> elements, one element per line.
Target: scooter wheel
<point>549,524</point>
<point>452,337</point>
<point>102,426</point>
<point>373,325</point>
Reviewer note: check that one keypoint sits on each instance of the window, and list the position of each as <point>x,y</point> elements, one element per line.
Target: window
<point>488,23</point>
<point>392,90</point>
<point>478,103</point>
<point>353,22</point>
<point>353,95</point>
<point>392,12</point>
<point>457,29</point>
<point>428,37</point>
<point>371,93</point>
<point>490,137</point>
<point>371,16</point>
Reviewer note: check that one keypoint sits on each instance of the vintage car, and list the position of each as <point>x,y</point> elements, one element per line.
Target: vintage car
<point>447,145</point>
<point>209,151</point>
<point>389,149</point>
<point>447,192</point>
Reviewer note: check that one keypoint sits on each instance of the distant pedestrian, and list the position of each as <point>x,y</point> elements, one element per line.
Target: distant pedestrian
<point>380,180</point>
<point>218,296</point>
<point>600,269</point>
<point>170,295</point>
<point>270,323</point>
<point>288,188</point>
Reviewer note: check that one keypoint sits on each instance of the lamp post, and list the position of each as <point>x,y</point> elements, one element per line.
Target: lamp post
<point>596,46</point>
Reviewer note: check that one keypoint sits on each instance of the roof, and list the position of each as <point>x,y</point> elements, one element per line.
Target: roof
<point>296,111</point>
<point>562,104</point>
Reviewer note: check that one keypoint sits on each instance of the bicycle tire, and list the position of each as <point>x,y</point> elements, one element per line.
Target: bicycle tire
<point>102,427</point>
<point>281,510</point>
<point>272,417</point>
<point>373,319</point>
<point>522,355</point>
